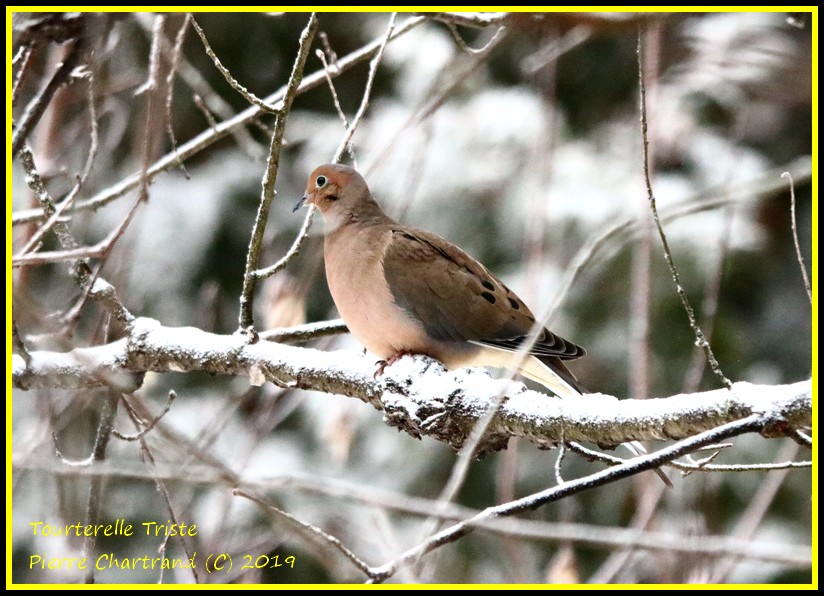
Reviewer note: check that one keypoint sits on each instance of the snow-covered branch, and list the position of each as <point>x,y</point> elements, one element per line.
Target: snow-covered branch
<point>416,394</point>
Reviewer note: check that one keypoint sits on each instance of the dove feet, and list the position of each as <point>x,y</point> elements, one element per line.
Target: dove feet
<point>382,364</point>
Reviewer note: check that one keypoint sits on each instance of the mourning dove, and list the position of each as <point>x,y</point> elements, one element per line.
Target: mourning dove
<point>402,290</point>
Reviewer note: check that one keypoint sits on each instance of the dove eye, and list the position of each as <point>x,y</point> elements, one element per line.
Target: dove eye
<point>321,181</point>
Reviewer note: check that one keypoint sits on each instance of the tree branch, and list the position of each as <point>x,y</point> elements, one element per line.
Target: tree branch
<point>270,176</point>
<point>212,135</point>
<point>416,394</point>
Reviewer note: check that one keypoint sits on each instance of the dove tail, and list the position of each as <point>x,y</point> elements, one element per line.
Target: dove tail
<point>551,372</point>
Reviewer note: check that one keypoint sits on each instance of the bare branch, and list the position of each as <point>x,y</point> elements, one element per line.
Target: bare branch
<point>405,395</point>
<point>104,433</point>
<point>18,342</point>
<point>57,212</point>
<point>753,515</point>
<point>320,54</point>
<point>699,335</point>
<point>713,198</point>
<point>765,467</point>
<point>465,47</point>
<point>149,458</point>
<point>799,256</point>
<point>595,536</point>
<point>233,82</point>
<point>203,91</point>
<point>170,85</point>
<point>305,332</point>
<point>802,439</point>
<point>313,533</point>
<point>24,55</point>
<point>37,106</point>
<point>373,69</point>
<point>270,177</point>
<point>147,426</point>
<point>646,462</point>
<point>209,137</point>
<point>468,19</point>
<point>297,244</point>
<point>702,466</point>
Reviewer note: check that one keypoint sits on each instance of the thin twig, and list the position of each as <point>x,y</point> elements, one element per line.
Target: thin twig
<point>306,332</point>
<point>699,335</point>
<point>335,100</point>
<point>373,68</point>
<point>802,439</point>
<point>453,29</point>
<point>18,342</point>
<point>24,53</point>
<point>80,270</point>
<point>150,89</point>
<point>554,48</point>
<point>71,316</point>
<point>327,49</point>
<point>57,214</point>
<point>233,82</point>
<point>612,460</point>
<point>104,432</point>
<point>643,516</point>
<point>712,198</point>
<point>201,105</point>
<point>753,515</point>
<point>99,250</point>
<point>209,137</point>
<point>72,463</point>
<point>647,462</point>
<point>559,479</point>
<point>765,467</point>
<point>436,96</point>
<point>170,86</point>
<point>327,71</point>
<point>297,244</point>
<point>147,427</point>
<point>198,83</point>
<point>37,106</point>
<point>245,319</point>
<point>468,19</point>
<point>20,54</point>
<point>310,530</point>
<point>149,459</point>
<point>799,256</point>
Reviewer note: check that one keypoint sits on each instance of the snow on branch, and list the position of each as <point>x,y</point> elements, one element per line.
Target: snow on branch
<point>417,394</point>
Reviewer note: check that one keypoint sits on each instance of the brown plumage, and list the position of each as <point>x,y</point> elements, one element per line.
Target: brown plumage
<point>403,290</point>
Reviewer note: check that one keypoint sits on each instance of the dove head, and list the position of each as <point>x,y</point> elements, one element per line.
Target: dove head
<point>341,195</point>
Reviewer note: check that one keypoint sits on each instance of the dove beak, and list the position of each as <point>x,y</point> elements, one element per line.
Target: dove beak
<point>300,203</point>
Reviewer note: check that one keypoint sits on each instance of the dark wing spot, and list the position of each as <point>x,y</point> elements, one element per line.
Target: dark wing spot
<point>488,285</point>
<point>488,297</point>
<point>514,304</point>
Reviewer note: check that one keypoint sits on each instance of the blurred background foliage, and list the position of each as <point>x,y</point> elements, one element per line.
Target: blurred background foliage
<point>521,155</point>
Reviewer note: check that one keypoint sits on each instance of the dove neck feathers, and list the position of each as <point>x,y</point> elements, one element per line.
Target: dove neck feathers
<point>364,212</point>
